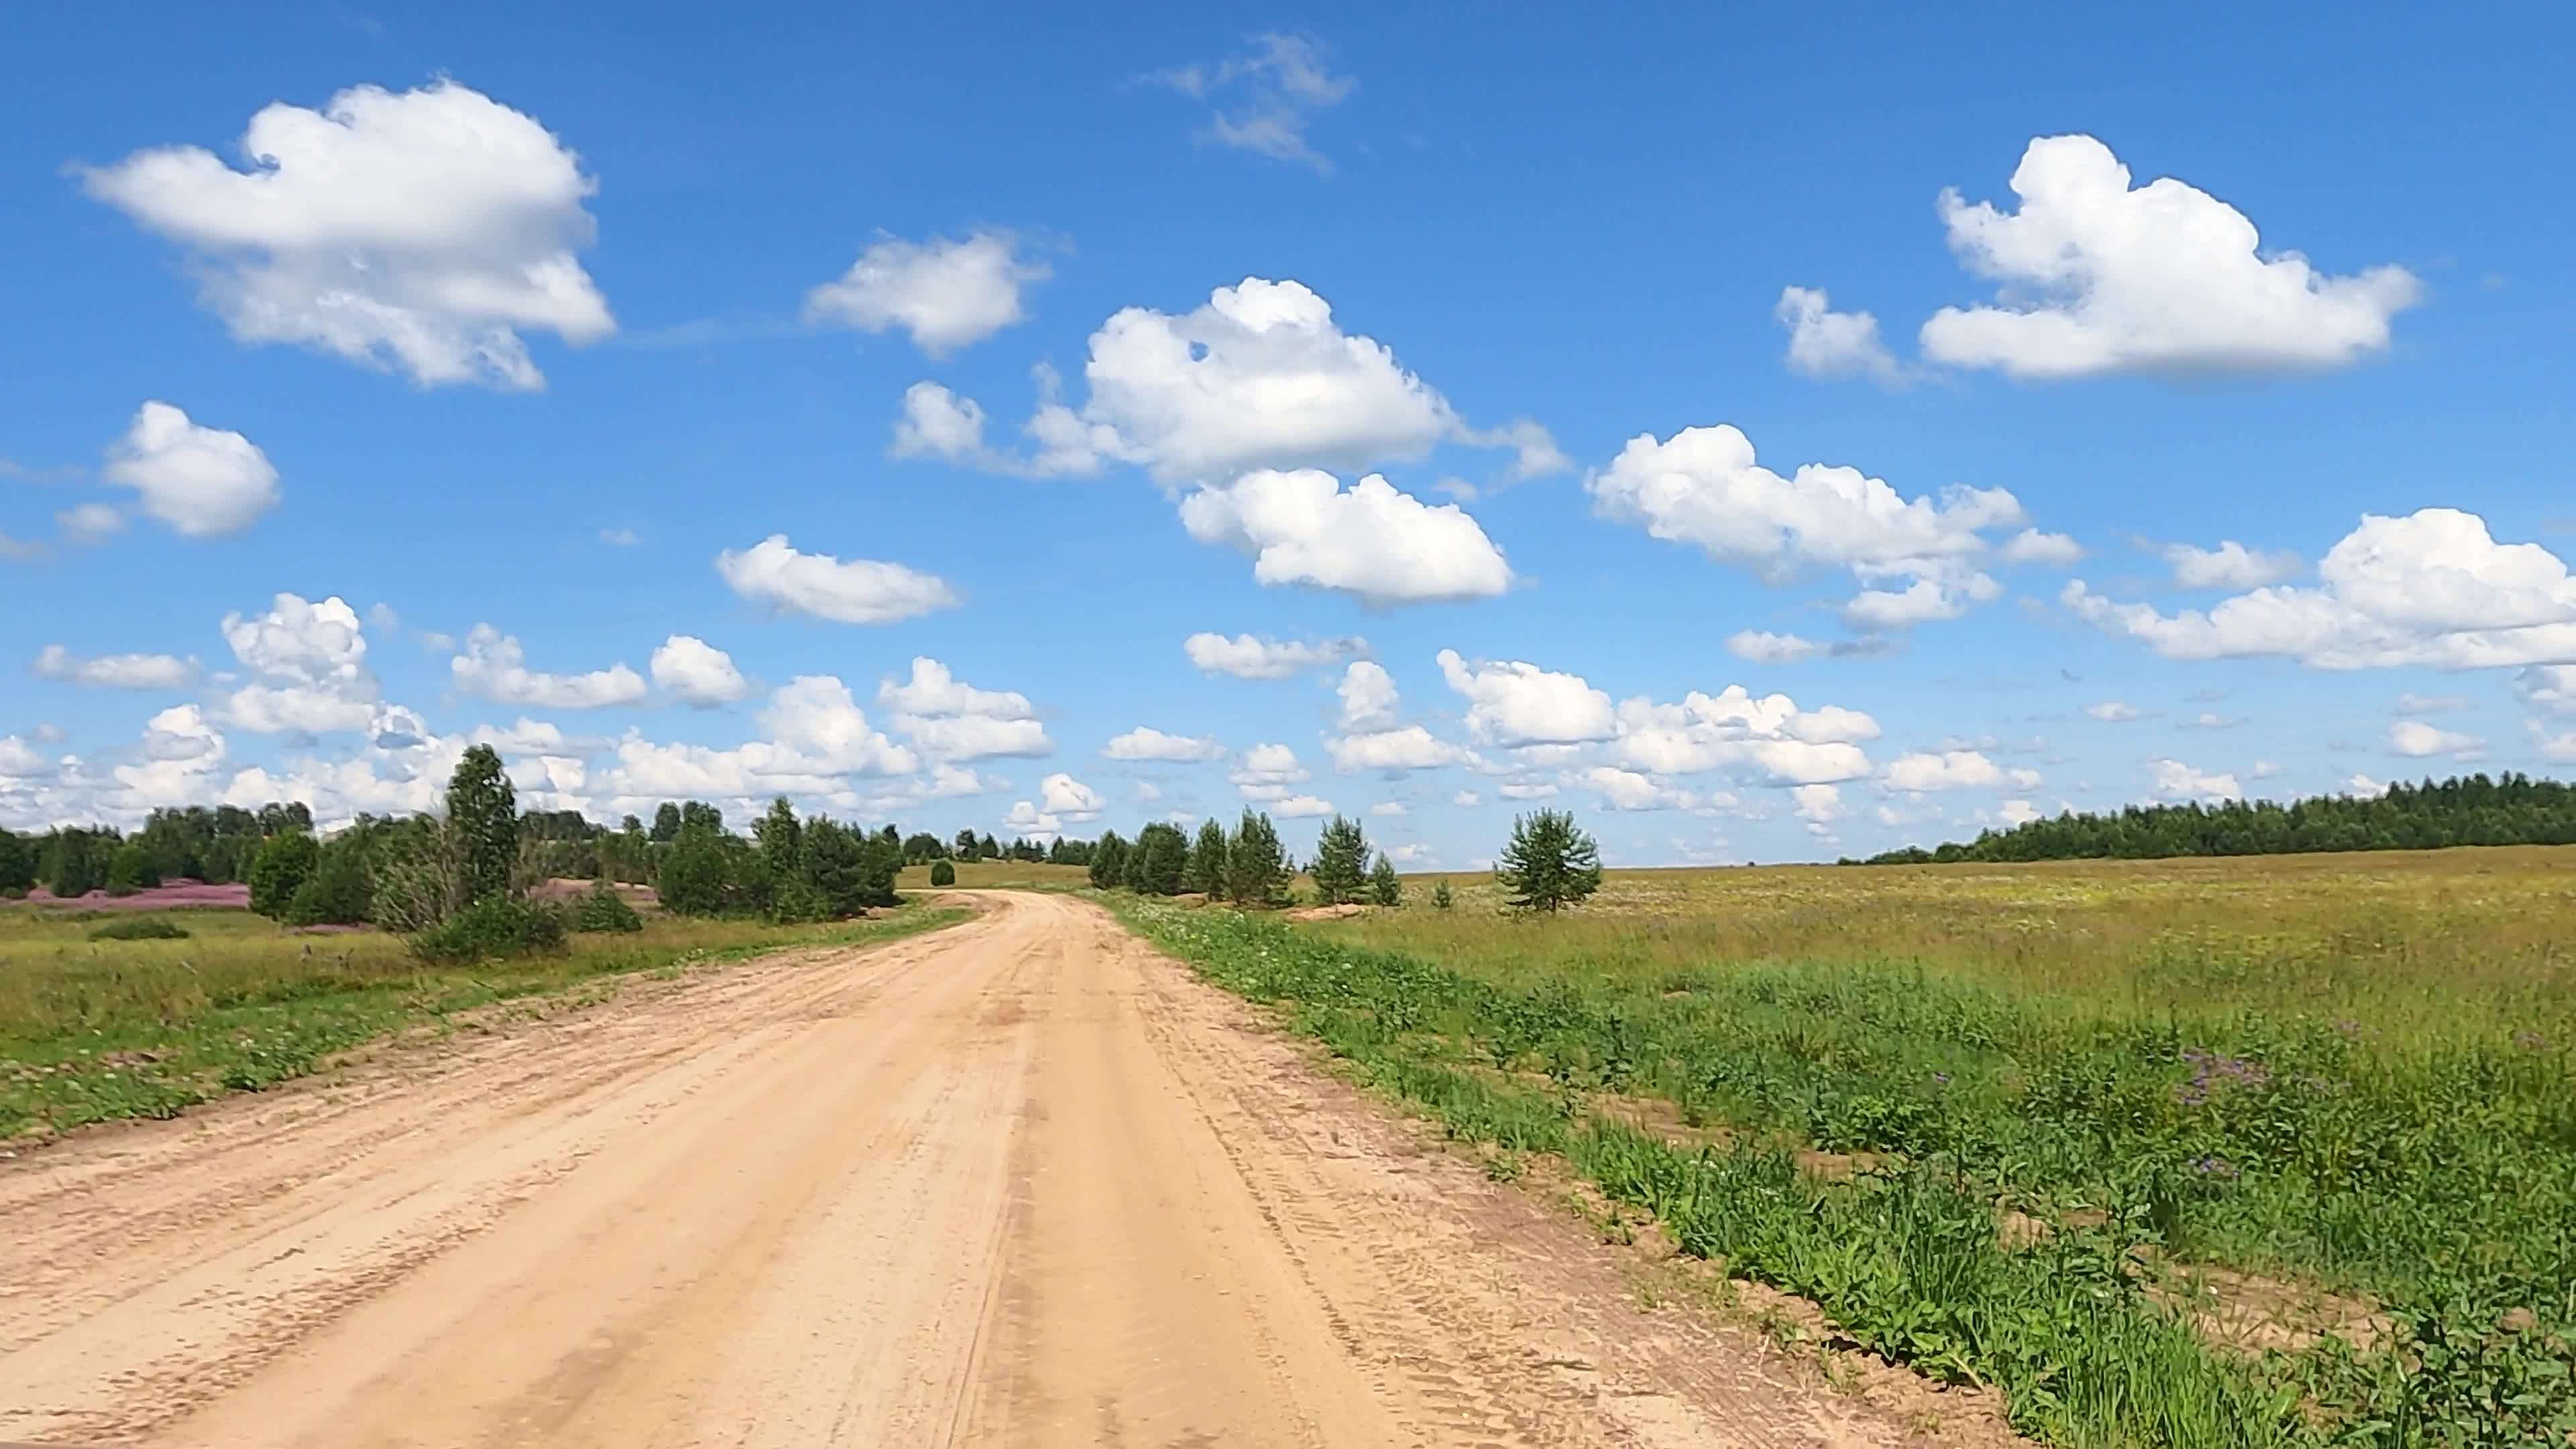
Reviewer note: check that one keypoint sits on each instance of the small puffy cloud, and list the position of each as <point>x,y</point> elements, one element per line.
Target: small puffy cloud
<point>1763,647</point>
<point>859,591</point>
<point>2416,740</point>
<point>1300,807</point>
<point>1372,541</point>
<point>1765,738</point>
<point>2099,277</point>
<point>2178,781</point>
<point>1391,808</point>
<point>1826,343</point>
<point>2265,770</point>
<point>1393,750</point>
<point>2030,546</point>
<point>1526,790</point>
<point>115,671</point>
<point>815,718</point>
<point>494,667</point>
<point>952,720</point>
<point>308,666</point>
<point>90,522</point>
<point>1511,703</point>
<point>423,230</point>
<point>1247,656</point>
<point>2429,588</point>
<point>2208,721</point>
<point>203,482</point>
<point>2114,711</point>
<point>1266,771</point>
<point>1818,804</point>
<point>1258,378</point>
<point>1368,696</point>
<point>2017,812</point>
<point>946,294</point>
<point>1271,93</point>
<point>1945,770</point>
<point>692,671</point>
<point>1069,799</point>
<point>1147,743</point>
<point>1702,486</point>
<point>2231,565</point>
<point>2364,787</point>
<point>1466,799</point>
<point>1625,790</point>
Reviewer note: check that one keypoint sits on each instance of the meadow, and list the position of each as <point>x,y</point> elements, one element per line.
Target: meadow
<point>94,1028</point>
<point>2205,1152</point>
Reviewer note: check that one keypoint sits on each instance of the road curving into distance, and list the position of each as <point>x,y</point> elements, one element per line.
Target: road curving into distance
<point>1020,1182</point>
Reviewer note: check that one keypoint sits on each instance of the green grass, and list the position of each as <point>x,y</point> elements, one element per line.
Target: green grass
<point>92,1031</point>
<point>1002,875</point>
<point>2347,1083</point>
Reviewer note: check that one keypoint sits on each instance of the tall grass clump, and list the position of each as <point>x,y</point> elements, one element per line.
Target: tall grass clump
<point>2406,1199</point>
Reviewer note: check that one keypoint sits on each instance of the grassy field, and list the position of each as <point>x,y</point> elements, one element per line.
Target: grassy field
<point>2270,1151</point>
<point>1002,874</point>
<point>96,1029</point>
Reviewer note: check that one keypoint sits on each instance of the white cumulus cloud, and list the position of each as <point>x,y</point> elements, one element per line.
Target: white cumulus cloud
<point>2231,565</point>
<point>1702,486</point>
<point>1826,343</point>
<point>946,294</point>
<point>1248,656</point>
<point>1512,703</point>
<point>115,671</point>
<point>2100,277</point>
<point>1144,742</point>
<point>494,667</point>
<point>2431,588</point>
<point>201,481</point>
<point>952,720</point>
<point>424,230</point>
<point>2179,781</point>
<point>858,591</point>
<point>692,671</point>
<point>1384,546</point>
<point>2416,740</point>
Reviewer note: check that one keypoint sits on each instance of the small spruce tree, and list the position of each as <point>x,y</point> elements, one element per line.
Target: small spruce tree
<point>1442,898</point>
<point>1384,887</point>
<point>1549,863</point>
<point>1341,863</point>
<point>1255,867</point>
<point>1206,873</point>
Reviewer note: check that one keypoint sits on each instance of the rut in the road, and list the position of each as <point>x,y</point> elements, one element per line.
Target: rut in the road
<point>1017,1183</point>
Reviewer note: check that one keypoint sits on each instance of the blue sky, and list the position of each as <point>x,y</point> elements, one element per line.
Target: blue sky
<point>543,325</point>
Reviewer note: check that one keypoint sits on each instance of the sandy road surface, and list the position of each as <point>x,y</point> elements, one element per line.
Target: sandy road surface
<point>1020,1182</point>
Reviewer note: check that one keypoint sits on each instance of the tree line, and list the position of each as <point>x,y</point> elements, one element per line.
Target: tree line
<point>2510,809</point>
<point>1547,864</point>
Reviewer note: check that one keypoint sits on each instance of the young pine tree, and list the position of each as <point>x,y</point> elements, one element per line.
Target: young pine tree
<point>1443,898</point>
<point>1109,862</point>
<point>1548,864</point>
<point>1341,861</point>
<point>1206,873</point>
<point>1156,863</point>
<point>1255,867</point>
<point>1384,888</point>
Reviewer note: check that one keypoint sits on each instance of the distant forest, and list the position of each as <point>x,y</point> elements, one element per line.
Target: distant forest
<point>2512,809</point>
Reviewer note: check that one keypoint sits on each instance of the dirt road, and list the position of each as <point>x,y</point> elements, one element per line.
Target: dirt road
<point>1020,1182</point>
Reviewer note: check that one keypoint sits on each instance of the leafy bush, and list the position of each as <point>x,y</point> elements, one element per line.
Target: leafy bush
<point>691,881</point>
<point>129,870</point>
<point>339,892</point>
<point>797,902</point>
<point>140,928</point>
<point>281,868</point>
<point>492,926</point>
<point>601,910</point>
<point>943,874</point>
